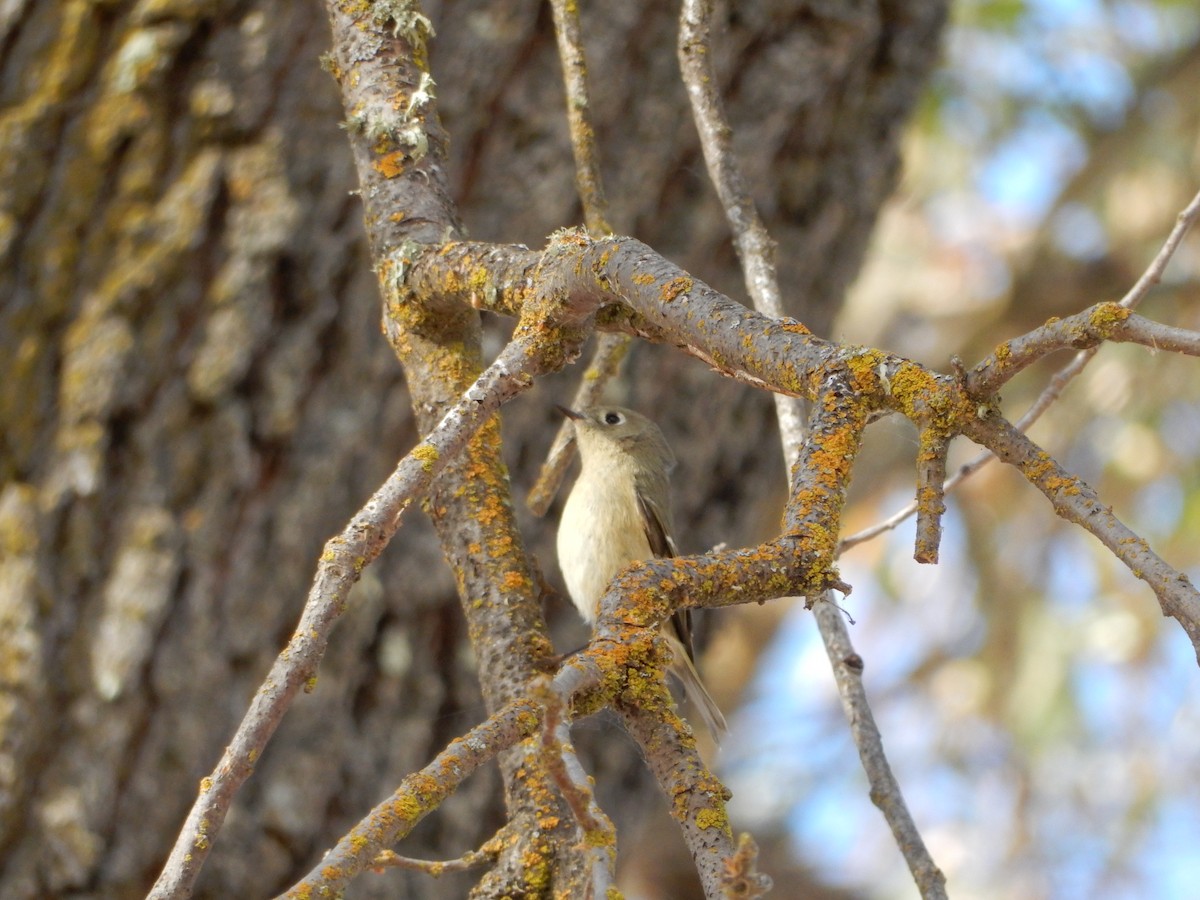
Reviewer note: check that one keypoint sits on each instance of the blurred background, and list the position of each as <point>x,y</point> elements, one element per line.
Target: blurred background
<point>196,396</point>
<point>1041,714</point>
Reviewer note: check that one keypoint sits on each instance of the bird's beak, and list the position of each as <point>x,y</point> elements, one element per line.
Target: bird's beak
<point>569,413</point>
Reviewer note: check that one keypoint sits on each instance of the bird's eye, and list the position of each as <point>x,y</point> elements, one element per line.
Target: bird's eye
<point>613,418</point>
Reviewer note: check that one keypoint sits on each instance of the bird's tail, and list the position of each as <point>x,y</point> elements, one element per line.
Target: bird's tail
<point>684,670</point>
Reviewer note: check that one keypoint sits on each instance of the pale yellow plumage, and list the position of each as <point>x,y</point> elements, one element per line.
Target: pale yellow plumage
<point>617,512</point>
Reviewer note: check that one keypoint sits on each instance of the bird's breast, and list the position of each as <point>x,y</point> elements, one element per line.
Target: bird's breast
<point>600,533</point>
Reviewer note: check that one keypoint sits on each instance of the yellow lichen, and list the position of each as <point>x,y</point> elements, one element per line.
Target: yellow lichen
<point>712,818</point>
<point>428,456</point>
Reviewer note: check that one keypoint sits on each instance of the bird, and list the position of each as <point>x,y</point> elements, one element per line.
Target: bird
<point>619,511</point>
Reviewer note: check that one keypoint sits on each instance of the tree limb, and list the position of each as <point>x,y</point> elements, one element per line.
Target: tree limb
<point>1142,331</point>
<point>756,253</point>
<point>1076,502</point>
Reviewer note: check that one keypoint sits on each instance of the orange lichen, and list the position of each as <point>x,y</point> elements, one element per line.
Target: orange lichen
<point>389,165</point>
<point>515,581</point>
<point>794,327</point>
<point>674,288</point>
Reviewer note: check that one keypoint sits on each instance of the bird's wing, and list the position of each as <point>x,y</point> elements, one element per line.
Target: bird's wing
<point>658,534</point>
<point>661,544</point>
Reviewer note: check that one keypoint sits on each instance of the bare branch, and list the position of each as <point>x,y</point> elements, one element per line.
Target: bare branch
<point>1137,329</point>
<point>1153,274</point>
<point>809,474</point>
<point>610,348</point>
<point>1084,330</point>
<point>598,837</point>
<point>588,181</point>
<point>755,248</point>
<point>756,252</point>
<point>435,868</point>
<point>885,790</point>
<point>1076,502</point>
<point>697,797</point>
<point>990,374</point>
<point>931,498</point>
<point>472,859</point>
<point>635,290</point>
<point>652,297</point>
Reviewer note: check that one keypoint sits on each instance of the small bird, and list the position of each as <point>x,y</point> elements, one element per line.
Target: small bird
<point>619,511</point>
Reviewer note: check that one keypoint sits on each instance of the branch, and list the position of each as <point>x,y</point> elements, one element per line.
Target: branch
<point>436,868</point>
<point>755,248</point>
<point>751,240</point>
<point>598,837</point>
<point>610,348</point>
<point>1082,331</point>
<point>697,803</point>
<point>830,429</point>
<point>340,566</point>
<point>1134,329</point>
<point>756,252</point>
<point>1076,502</point>
<point>422,792</point>
<point>400,151</point>
<point>989,374</point>
<point>633,289</point>
<point>885,789</point>
<point>588,181</point>
<point>931,497</point>
<point>1153,274</point>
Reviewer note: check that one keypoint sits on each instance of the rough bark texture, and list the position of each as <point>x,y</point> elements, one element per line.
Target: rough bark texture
<point>196,392</point>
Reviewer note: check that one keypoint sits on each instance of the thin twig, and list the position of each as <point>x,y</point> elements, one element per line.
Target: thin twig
<point>588,181</point>
<point>435,868</point>
<point>576,793</point>
<point>611,348</point>
<point>755,248</point>
<point>1154,272</point>
<point>598,837</point>
<point>884,788</point>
